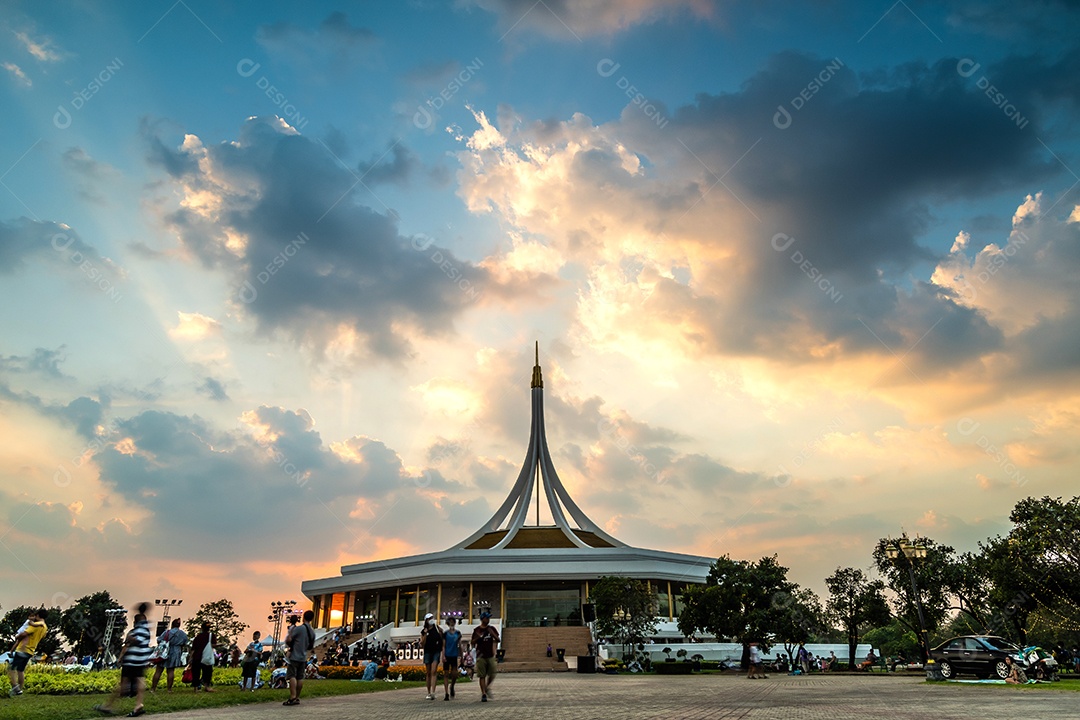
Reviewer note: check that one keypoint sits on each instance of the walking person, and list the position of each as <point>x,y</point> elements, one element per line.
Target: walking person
<point>201,660</point>
<point>484,639</point>
<point>134,658</point>
<point>24,647</point>
<point>803,658</point>
<point>250,665</point>
<point>300,641</point>
<point>451,652</point>
<point>175,638</point>
<point>431,639</point>
<point>756,669</point>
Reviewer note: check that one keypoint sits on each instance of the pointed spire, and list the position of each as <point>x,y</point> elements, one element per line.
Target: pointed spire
<point>538,471</point>
<point>537,380</point>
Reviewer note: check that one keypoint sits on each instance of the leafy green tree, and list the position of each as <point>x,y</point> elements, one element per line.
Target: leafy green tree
<point>84,623</point>
<point>737,602</point>
<point>893,638</point>
<point>799,618</point>
<point>1034,572</point>
<point>14,619</point>
<point>625,608</point>
<point>932,575</point>
<point>856,601</point>
<point>224,622</point>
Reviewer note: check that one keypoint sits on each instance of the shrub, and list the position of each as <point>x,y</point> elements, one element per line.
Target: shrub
<point>407,672</point>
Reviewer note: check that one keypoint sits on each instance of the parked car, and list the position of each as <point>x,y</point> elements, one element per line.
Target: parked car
<point>980,655</point>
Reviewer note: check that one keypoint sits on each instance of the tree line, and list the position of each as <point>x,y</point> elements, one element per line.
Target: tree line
<point>81,627</point>
<point>1024,586</point>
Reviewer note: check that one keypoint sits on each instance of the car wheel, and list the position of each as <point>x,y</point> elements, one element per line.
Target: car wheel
<point>1001,669</point>
<point>946,669</point>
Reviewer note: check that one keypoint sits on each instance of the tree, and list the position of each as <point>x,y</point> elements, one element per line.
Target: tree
<point>625,608</point>
<point>893,638</point>
<point>14,619</point>
<point>224,622</point>
<point>84,623</point>
<point>1033,571</point>
<point>799,618</point>
<point>737,602</point>
<point>931,578</point>
<point>856,601</point>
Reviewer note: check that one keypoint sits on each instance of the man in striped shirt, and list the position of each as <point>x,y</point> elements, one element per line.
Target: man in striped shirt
<point>134,659</point>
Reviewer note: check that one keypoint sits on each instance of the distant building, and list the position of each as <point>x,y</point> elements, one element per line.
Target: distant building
<point>527,575</point>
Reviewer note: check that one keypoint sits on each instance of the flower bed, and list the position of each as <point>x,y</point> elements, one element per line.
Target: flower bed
<point>407,672</point>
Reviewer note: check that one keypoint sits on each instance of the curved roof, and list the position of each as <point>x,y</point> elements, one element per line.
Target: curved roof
<point>506,549</point>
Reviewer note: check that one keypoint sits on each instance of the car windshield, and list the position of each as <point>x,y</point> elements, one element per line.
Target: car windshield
<point>996,643</point>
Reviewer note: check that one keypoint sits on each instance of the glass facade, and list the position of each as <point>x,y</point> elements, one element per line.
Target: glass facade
<point>543,604</point>
<point>527,604</point>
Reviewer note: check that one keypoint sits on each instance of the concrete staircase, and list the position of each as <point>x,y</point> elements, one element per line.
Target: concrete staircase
<point>525,649</point>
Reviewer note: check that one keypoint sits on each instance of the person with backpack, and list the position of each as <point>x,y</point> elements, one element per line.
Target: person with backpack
<point>300,641</point>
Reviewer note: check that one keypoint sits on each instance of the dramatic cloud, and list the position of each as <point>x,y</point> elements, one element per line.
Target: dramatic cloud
<point>308,256</point>
<point>740,229</point>
<point>215,489</point>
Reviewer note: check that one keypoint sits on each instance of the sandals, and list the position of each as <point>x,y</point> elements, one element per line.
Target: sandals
<point>292,701</point>
<point>103,710</point>
<point>137,712</point>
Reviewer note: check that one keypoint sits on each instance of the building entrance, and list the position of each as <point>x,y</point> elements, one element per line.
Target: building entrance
<point>539,605</point>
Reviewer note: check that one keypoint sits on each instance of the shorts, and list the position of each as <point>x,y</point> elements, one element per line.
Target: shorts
<point>431,657</point>
<point>450,665</point>
<point>18,662</point>
<point>295,669</point>
<point>249,670</point>
<point>132,672</point>
<point>486,667</point>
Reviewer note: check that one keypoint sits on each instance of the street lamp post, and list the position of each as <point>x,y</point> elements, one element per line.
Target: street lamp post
<point>912,551</point>
<point>620,617</point>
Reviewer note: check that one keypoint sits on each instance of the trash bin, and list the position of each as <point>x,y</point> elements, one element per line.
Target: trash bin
<point>561,652</point>
<point>586,663</point>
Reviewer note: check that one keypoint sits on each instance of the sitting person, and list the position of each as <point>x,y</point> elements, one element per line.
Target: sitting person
<point>899,659</point>
<point>370,669</point>
<point>278,680</point>
<point>869,662</point>
<point>829,663</point>
<point>1016,675</point>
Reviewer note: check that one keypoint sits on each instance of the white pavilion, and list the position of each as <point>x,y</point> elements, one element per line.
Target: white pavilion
<point>526,575</point>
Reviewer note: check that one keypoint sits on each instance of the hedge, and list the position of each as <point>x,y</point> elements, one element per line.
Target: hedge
<point>54,680</point>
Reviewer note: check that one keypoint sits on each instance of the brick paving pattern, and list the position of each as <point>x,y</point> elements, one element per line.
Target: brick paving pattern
<point>568,696</point>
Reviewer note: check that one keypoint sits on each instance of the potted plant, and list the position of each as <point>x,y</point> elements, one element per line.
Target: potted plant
<point>696,659</point>
<point>681,654</point>
<point>667,655</point>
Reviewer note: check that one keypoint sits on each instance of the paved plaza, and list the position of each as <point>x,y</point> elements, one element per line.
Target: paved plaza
<point>585,697</point>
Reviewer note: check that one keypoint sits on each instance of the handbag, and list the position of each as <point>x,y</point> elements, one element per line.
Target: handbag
<point>161,652</point>
<point>208,651</point>
<point>186,677</point>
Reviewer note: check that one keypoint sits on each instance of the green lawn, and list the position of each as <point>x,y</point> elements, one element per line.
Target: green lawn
<point>75,707</point>
<point>1067,684</point>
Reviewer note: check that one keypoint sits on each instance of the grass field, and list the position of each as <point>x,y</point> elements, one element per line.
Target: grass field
<point>76,707</point>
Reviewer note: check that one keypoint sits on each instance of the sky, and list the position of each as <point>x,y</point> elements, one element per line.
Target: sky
<point>802,276</point>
